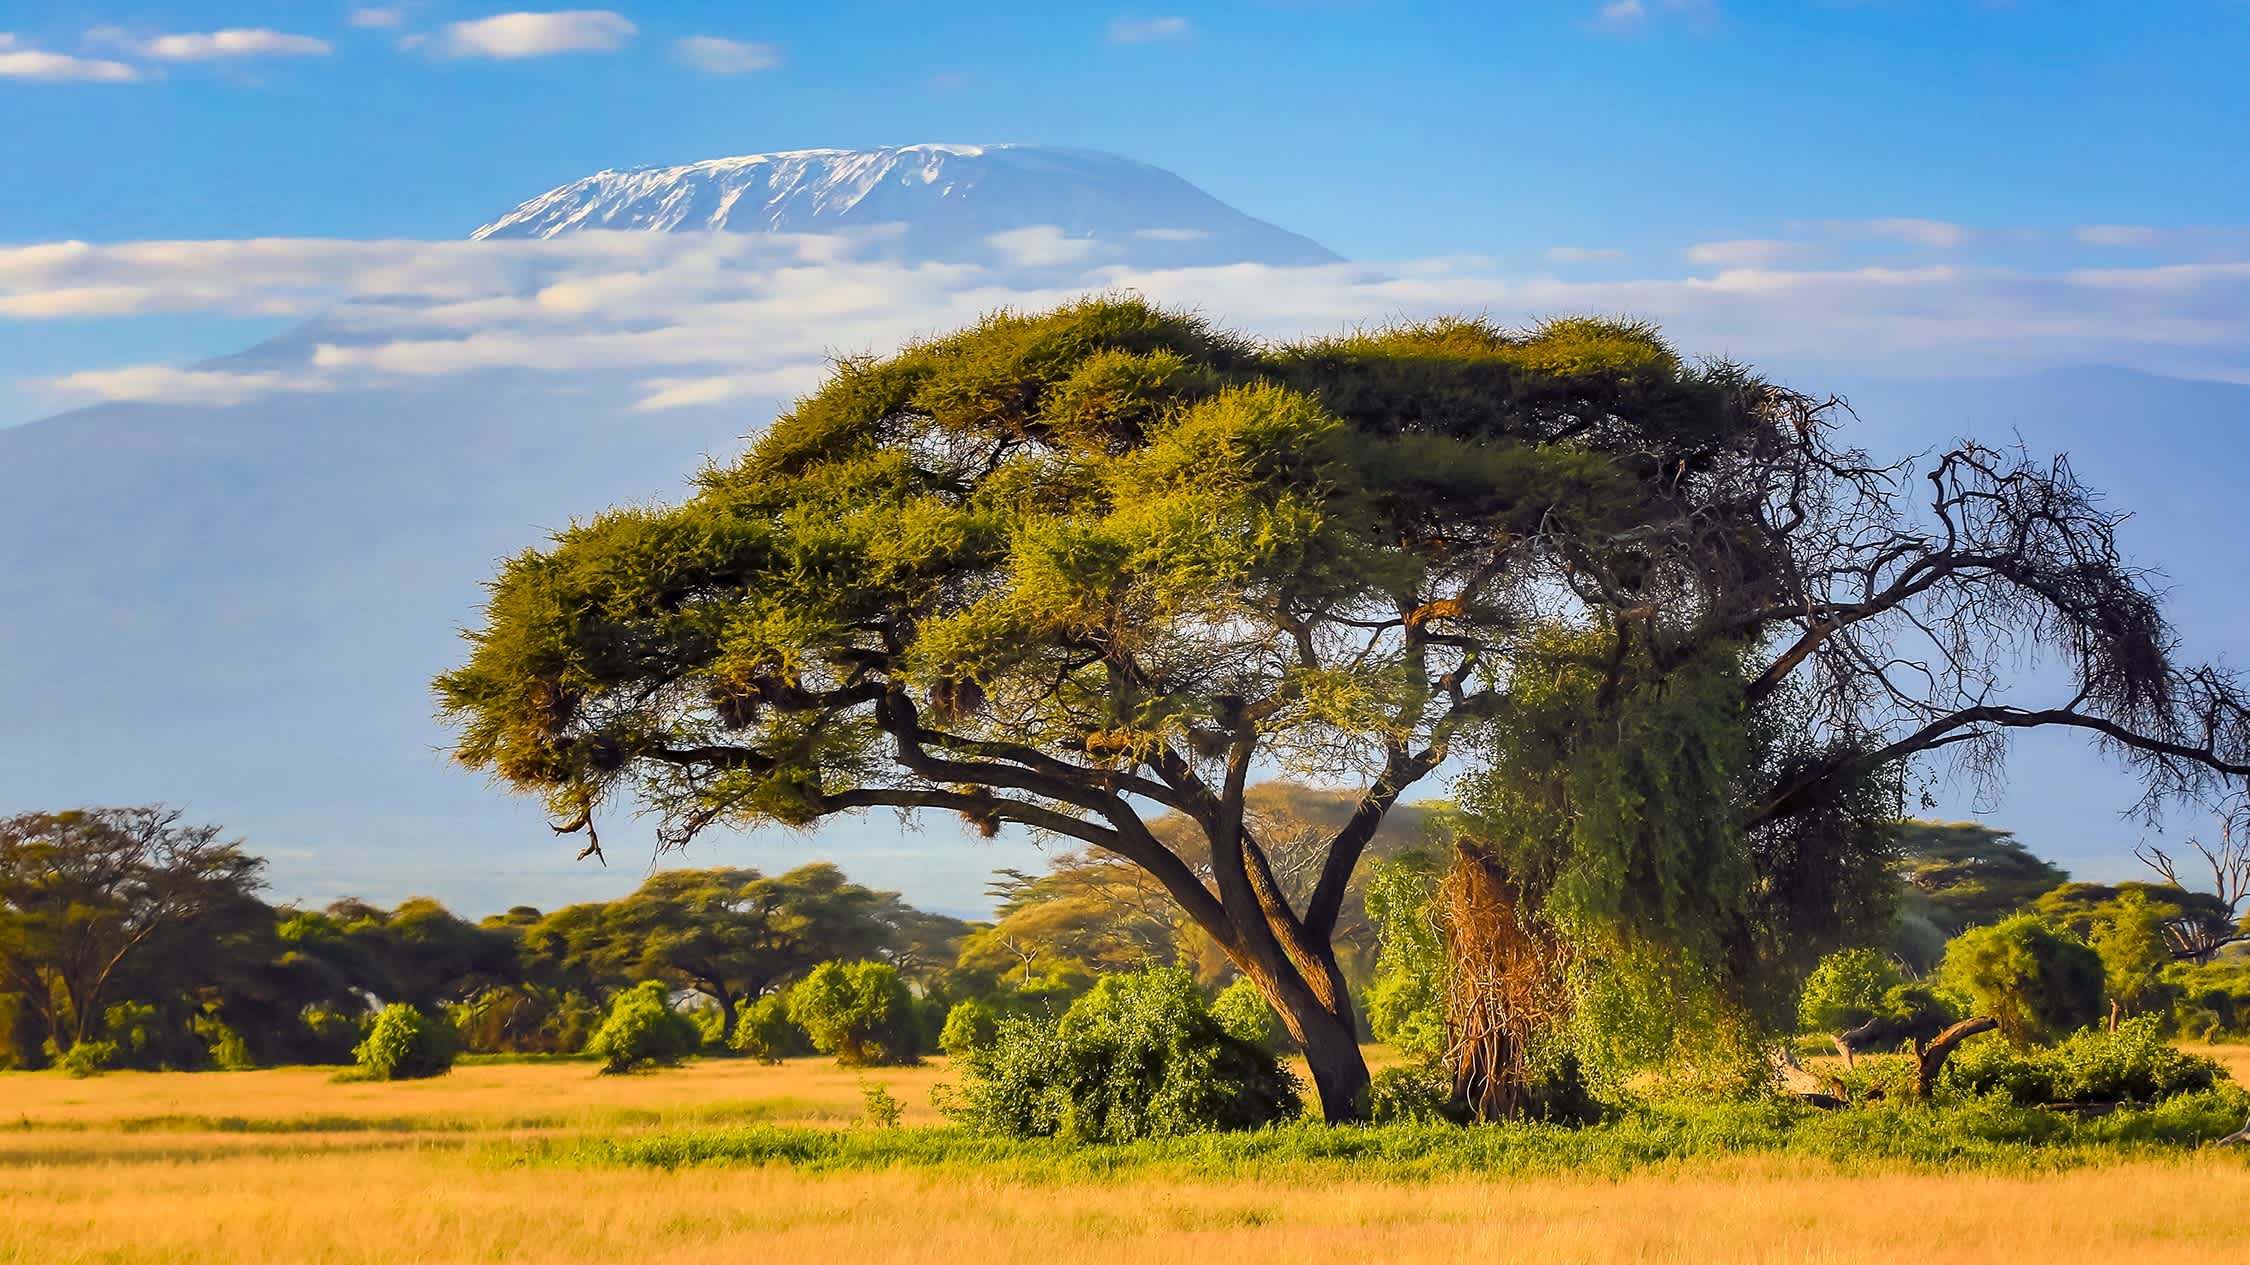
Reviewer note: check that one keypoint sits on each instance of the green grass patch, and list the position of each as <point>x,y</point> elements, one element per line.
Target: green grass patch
<point>1987,1134</point>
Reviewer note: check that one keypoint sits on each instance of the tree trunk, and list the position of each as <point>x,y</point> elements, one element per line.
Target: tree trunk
<point>1339,1070</point>
<point>1929,1059</point>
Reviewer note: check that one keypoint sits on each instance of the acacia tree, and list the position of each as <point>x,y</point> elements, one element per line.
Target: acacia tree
<point>91,896</point>
<point>1075,570</point>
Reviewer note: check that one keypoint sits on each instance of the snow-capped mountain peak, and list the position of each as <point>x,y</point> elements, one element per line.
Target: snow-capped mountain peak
<point>948,200</point>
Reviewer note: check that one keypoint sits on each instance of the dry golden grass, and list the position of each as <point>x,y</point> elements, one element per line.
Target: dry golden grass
<point>120,1170</point>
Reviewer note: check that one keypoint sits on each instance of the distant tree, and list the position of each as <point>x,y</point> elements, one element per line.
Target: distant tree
<point>1966,874</point>
<point>861,1012</point>
<point>2036,983</point>
<point>2211,920</point>
<point>92,896</point>
<point>730,934</point>
<point>765,1032</point>
<point>1242,1012</point>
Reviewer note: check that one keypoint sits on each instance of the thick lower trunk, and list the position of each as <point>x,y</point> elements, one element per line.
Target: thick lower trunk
<point>1339,1071</point>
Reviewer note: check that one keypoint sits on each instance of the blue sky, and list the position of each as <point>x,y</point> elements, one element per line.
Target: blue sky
<point>1863,192</point>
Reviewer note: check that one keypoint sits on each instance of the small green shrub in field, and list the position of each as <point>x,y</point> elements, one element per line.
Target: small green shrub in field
<point>860,1012</point>
<point>2132,1064</point>
<point>2037,982</point>
<point>1846,990</point>
<point>1244,1014</point>
<point>642,1030</point>
<point>883,1107</point>
<point>763,1031</point>
<point>971,1024</point>
<point>1139,1056</point>
<point>330,1036</point>
<point>405,1044</point>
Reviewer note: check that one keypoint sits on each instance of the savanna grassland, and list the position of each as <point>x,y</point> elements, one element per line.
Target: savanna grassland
<point>531,1162</point>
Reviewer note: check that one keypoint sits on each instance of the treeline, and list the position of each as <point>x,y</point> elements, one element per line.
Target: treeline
<point>137,940</point>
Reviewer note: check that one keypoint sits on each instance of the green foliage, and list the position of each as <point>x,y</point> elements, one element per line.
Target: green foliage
<point>1139,1056</point>
<point>860,1012</point>
<point>1405,998</point>
<point>2038,983</point>
<point>642,1030</point>
<point>1978,1135</point>
<point>883,1107</point>
<point>2133,1063</point>
<point>90,1058</point>
<point>405,1044</point>
<point>764,1031</point>
<point>1242,1012</point>
<point>1846,990</point>
<point>1416,1092</point>
<point>971,1024</point>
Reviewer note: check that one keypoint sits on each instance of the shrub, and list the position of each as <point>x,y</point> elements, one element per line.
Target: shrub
<point>860,1012</point>
<point>331,1036</point>
<point>2132,1064</point>
<point>1244,1014</point>
<point>710,1026</point>
<point>1846,990</point>
<point>1420,1092</point>
<point>970,1025</point>
<point>405,1044</point>
<point>90,1058</point>
<point>883,1107</point>
<point>1139,1056</point>
<point>2036,982</point>
<point>763,1031</point>
<point>642,1029</point>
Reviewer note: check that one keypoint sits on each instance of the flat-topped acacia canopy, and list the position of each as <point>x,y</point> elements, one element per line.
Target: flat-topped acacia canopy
<point>1076,569</point>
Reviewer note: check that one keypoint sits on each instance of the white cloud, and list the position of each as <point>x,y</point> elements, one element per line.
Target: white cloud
<point>718,56</point>
<point>1147,30</point>
<point>1756,252</point>
<point>17,62</point>
<point>703,319</point>
<point>1935,233</point>
<point>1170,234</point>
<point>377,18</point>
<point>1583,254</point>
<point>514,35</point>
<point>2133,235</point>
<point>1041,246</point>
<point>1634,15</point>
<point>214,45</point>
<point>178,386</point>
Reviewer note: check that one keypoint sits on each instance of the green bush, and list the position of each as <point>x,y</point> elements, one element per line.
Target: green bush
<point>2132,1064</point>
<point>1244,1014</point>
<point>710,1026</point>
<point>1139,1056</point>
<point>971,1024</point>
<point>405,1044</point>
<point>90,1058</point>
<point>861,1012</point>
<point>331,1036</point>
<point>642,1030</point>
<point>1420,1092</point>
<point>1846,990</point>
<point>763,1031</point>
<point>2036,982</point>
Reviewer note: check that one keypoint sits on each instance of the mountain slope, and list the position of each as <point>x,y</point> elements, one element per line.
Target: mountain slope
<point>945,201</point>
